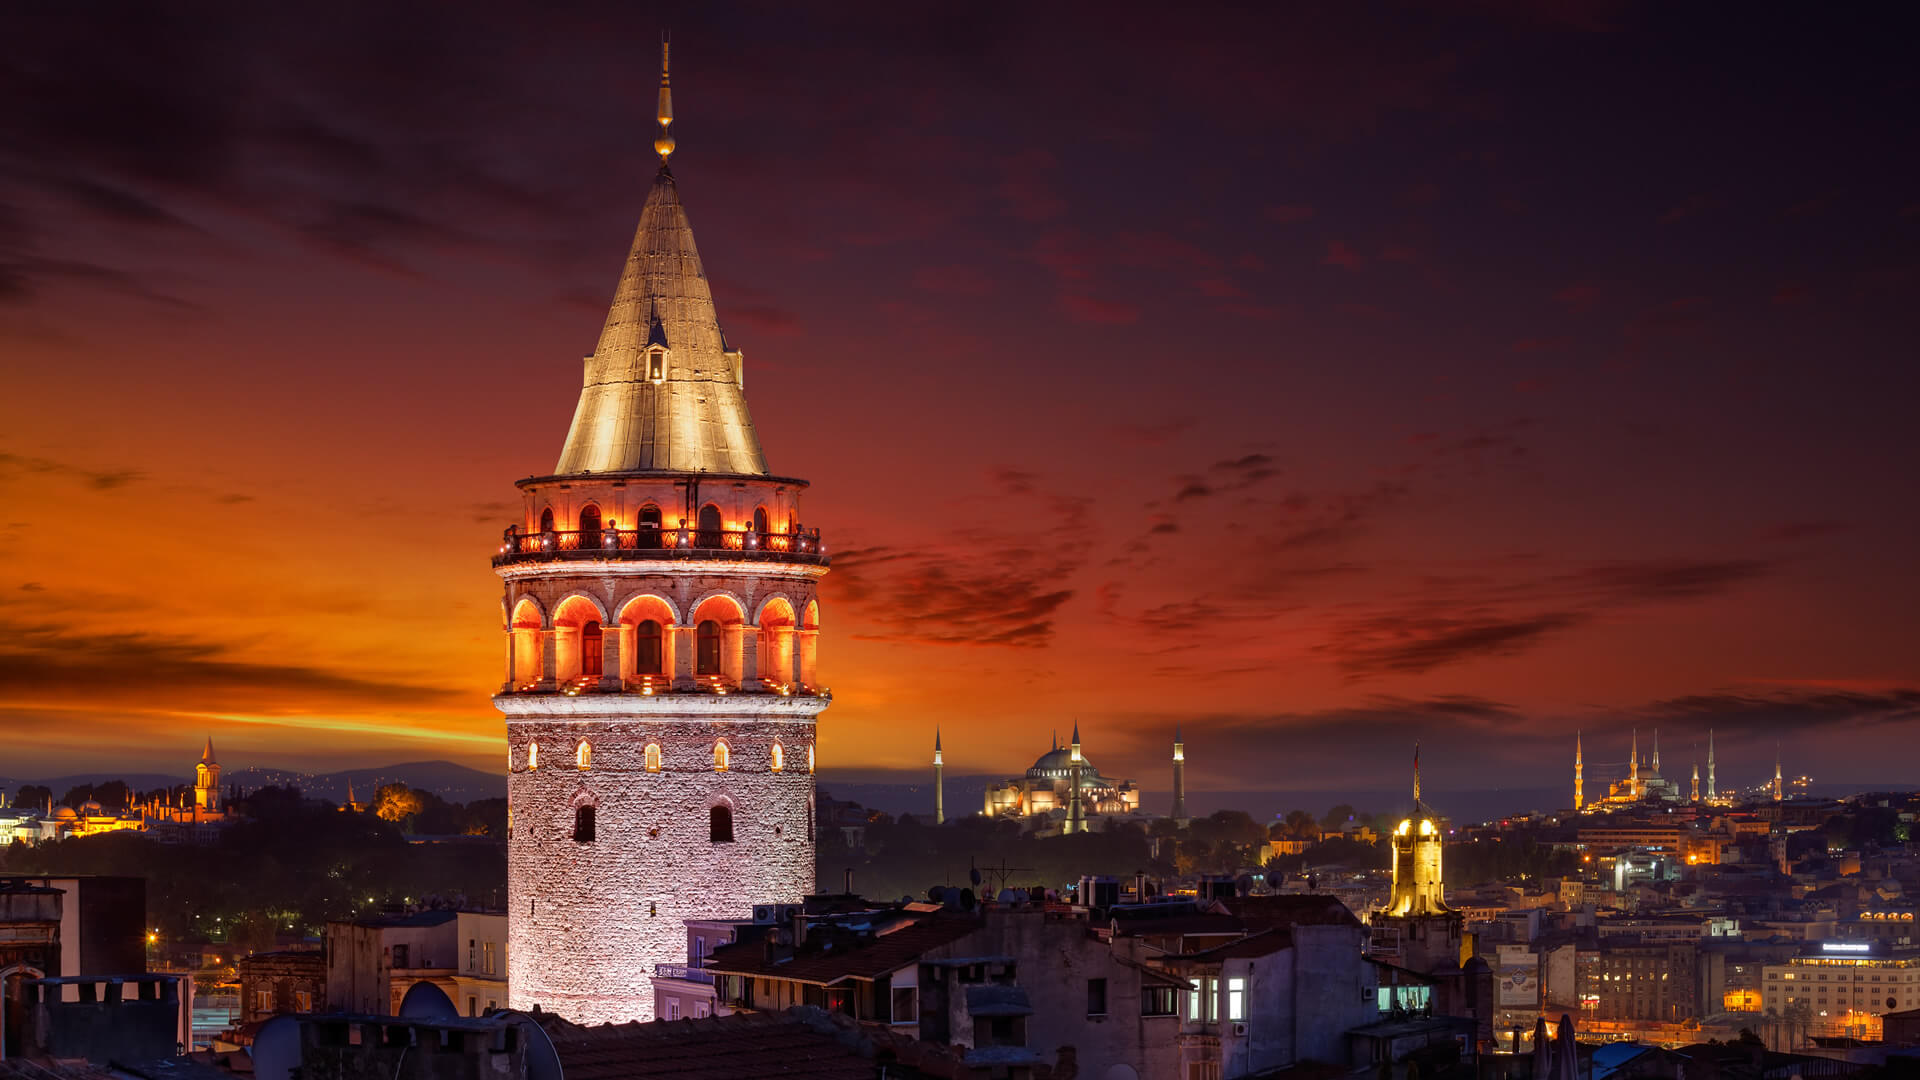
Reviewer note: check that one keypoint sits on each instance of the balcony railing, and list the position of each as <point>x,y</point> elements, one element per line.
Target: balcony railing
<point>683,972</point>
<point>654,542</point>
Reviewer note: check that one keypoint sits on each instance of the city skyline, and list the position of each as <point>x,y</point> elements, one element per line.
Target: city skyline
<point>1370,437</point>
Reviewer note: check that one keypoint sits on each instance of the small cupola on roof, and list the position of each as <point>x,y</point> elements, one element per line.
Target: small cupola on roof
<point>662,390</point>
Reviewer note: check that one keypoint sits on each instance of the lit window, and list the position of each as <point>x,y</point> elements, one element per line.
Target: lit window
<point>779,758</point>
<point>533,756</point>
<point>583,756</point>
<point>720,756</point>
<point>653,757</point>
<point>809,757</point>
<point>1236,998</point>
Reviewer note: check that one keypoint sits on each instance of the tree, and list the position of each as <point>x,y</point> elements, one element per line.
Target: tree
<point>397,802</point>
<point>1301,824</point>
<point>33,797</point>
<point>1337,817</point>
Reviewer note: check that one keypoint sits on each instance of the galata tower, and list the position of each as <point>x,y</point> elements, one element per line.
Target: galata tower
<point>661,626</point>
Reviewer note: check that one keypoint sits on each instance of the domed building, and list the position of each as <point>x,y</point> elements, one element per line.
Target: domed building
<point>1045,793</point>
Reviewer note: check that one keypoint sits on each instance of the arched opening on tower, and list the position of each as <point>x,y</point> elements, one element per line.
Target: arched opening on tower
<point>777,637</point>
<point>572,621</point>
<point>523,646</point>
<point>649,536</point>
<point>722,756</point>
<point>646,640</point>
<point>583,755</point>
<point>583,825</point>
<point>760,522</point>
<point>590,527</point>
<point>546,520</point>
<point>710,535</point>
<point>778,760</point>
<point>720,824</point>
<point>652,757</point>
<point>719,626</point>
<point>809,644</point>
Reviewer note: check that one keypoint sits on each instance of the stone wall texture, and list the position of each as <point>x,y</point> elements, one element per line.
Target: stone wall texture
<point>588,921</point>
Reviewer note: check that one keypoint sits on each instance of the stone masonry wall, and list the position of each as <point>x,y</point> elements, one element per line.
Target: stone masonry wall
<point>588,922</point>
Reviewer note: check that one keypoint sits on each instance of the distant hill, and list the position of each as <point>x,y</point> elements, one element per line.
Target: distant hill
<point>454,783</point>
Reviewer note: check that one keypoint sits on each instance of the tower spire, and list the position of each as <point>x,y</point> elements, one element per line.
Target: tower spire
<point>664,144</point>
<point>1778,791</point>
<point>939,781</point>
<point>1712,793</point>
<point>1416,777</point>
<point>1579,779</point>
<point>1656,751</point>
<point>1179,776</point>
<point>1633,767</point>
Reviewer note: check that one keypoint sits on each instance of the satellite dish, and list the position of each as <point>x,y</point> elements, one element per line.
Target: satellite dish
<point>1010,896</point>
<point>1275,879</point>
<point>973,875</point>
<point>937,894</point>
<point>425,1001</point>
<point>1243,884</point>
<point>543,1061</point>
<point>967,900</point>
<point>276,1049</point>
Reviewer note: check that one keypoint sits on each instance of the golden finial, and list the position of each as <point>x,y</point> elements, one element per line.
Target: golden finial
<point>664,144</point>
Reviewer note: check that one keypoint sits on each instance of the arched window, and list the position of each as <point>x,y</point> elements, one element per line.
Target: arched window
<point>709,526</point>
<point>592,649</point>
<point>653,757</point>
<point>707,655</point>
<point>583,825</point>
<point>720,824</point>
<point>810,813</point>
<point>533,756</point>
<point>590,527</point>
<point>583,756</point>
<point>721,755</point>
<point>809,757</point>
<point>649,527</point>
<point>647,657</point>
<point>546,520</point>
<point>760,520</point>
<point>779,758</point>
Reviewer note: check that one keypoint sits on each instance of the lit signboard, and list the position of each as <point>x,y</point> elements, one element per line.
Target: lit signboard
<point>1845,946</point>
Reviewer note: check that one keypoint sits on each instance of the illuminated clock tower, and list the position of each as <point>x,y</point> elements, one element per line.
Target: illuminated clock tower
<point>660,622</point>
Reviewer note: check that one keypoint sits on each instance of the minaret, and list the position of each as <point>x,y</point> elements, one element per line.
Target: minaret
<point>661,628</point>
<point>1076,814</point>
<point>1633,767</point>
<point>206,782</point>
<point>1579,779</point>
<point>1656,751</point>
<point>1779,790</point>
<point>1696,780</point>
<point>1712,793</point>
<point>1179,777</point>
<point>939,782</point>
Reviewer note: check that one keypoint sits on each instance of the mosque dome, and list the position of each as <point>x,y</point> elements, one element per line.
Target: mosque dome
<point>90,809</point>
<point>1057,764</point>
<point>65,813</point>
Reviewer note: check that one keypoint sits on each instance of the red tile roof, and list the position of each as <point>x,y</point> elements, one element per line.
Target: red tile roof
<point>868,960</point>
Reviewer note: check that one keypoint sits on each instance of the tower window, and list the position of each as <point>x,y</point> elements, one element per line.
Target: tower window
<point>546,520</point>
<point>760,519</point>
<point>653,757</point>
<point>720,824</point>
<point>720,756</point>
<point>646,649</point>
<point>707,653</point>
<point>583,757</point>
<point>583,825</point>
<point>809,757</point>
<point>649,536</point>
<point>779,758</point>
<point>590,527</point>
<point>656,365</point>
<point>710,526</point>
<point>533,756</point>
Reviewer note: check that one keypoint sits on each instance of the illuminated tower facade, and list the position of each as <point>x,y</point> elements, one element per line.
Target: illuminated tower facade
<point>206,782</point>
<point>660,619</point>
<point>1179,777</point>
<point>1779,789</point>
<point>939,783</point>
<point>1579,776</point>
<point>1696,780</point>
<point>1656,752</point>
<point>1417,885</point>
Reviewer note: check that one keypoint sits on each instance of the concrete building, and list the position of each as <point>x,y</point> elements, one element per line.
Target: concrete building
<point>660,627</point>
<point>372,963</point>
<point>276,983</point>
<point>1843,987</point>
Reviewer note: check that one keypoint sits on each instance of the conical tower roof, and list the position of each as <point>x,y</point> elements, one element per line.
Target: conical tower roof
<point>690,416</point>
<point>206,756</point>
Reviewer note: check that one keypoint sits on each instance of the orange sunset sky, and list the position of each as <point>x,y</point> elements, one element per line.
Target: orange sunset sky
<point>1468,375</point>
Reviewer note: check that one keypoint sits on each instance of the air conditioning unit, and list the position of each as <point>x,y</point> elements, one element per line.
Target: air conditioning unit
<point>1240,1030</point>
<point>765,913</point>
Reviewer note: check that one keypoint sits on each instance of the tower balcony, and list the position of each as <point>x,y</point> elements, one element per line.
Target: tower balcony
<point>667,685</point>
<point>662,543</point>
